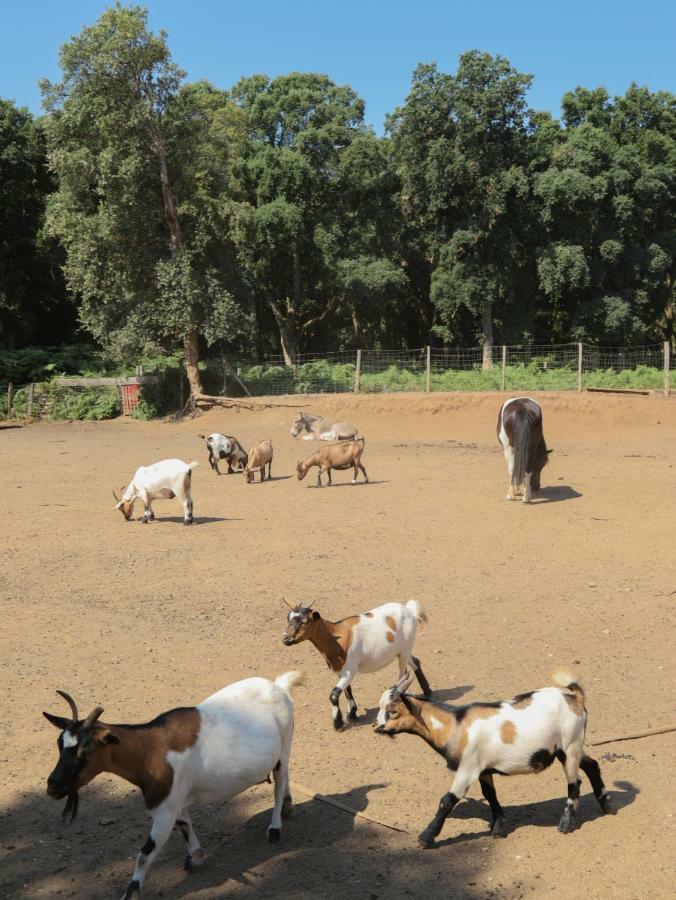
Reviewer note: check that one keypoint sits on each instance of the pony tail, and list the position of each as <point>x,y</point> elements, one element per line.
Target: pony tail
<point>522,427</point>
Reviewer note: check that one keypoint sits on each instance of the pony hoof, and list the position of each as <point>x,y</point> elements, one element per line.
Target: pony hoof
<point>567,823</point>
<point>274,834</point>
<point>607,806</point>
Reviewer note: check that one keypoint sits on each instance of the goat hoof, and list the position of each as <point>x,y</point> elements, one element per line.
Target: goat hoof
<point>133,888</point>
<point>287,807</point>
<point>274,834</point>
<point>498,828</point>
<point>426,840</point>
<point>338,722</point>
<point>352,714</point>
<point>187,521</point>
<point>567,823</point>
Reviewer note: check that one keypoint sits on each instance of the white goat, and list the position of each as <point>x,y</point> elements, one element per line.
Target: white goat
<point>510,737</point>
<point>362,643</point>
<point>161,481</point>
<point>210,752</point>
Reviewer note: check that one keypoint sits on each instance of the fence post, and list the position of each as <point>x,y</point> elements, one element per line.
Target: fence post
<point>29,403</point>
<point>357,374</point>
<point>579,368</point>
<point>10,398</point>
<point>504,365</point>
<point>667,369</point>
<point>428,373</point>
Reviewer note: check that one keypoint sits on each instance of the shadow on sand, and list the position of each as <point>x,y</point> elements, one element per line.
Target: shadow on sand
<point>323,851</point>
<point>555,493</point>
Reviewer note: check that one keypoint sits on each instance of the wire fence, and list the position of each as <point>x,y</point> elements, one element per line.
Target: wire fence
<point>511,368</point>
<point>533,367</point>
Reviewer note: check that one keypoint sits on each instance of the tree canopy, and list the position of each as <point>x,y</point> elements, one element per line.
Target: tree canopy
<point>268,217</point>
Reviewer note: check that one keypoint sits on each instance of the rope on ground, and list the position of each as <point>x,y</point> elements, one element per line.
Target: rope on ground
<point>343,806</point>
<point>636,736</point>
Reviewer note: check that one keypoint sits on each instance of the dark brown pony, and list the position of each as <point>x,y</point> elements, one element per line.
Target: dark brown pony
<point>520,433</point>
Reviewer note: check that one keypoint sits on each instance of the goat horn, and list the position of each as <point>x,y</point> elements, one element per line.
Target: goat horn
<point>312,604</point>
<point>69,700</point>
<point>115,495</point>
<point>92,717</point>
<point>284,600</point>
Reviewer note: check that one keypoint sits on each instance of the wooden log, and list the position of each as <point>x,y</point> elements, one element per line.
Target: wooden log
<point>617,391</point>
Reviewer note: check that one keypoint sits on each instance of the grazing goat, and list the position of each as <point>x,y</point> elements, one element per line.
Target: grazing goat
<point>346,455</point>
<point>520,433</point>
<point>510,737</point>
<point>209,752</point>
<point>319,428</point>
<point>162,481</point>
<point>259,457</point>
<point>227,447</point>
<point>362,643</point>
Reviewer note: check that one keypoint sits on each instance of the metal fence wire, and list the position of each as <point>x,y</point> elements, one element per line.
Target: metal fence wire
<point>526,367</point>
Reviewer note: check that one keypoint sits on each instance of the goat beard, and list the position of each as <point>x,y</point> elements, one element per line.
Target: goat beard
<point>71,807</point>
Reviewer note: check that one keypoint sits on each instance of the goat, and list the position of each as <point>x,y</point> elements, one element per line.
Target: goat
<point>519,431</point>
<point>362,643</point>
<point>227,447</point>
<point>509,737</point>
<point>345,455</point>
<point>209,752</point>
<point>319,428</point>
<point>259,457</point>
<point>162,481</point>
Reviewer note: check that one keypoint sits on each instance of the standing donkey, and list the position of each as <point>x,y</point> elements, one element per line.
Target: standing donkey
<point>520,433</point>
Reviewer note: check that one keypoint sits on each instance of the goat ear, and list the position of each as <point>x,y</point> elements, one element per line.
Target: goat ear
<point>59,722</point>
<point>103,736</point>
<point>551,450</point>
<point>201,436</point>
<point>316,615</point>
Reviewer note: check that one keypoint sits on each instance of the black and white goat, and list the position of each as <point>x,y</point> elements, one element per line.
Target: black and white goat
<point>162,481</point>
<point>508,737</point>
<point>194,754</point>
<point>227,447</point>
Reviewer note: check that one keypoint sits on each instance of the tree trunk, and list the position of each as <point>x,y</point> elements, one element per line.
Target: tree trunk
<point>669,311</point>
<point>288,333</point>
<point>190,340</point>
<point>487,329</point>
<point>355,322</point>
<point>191,359</point>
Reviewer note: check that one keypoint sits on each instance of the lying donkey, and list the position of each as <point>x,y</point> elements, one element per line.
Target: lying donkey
<point>319,428</point>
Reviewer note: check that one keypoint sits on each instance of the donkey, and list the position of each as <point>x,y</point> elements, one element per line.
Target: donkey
<point>520,433</point>
<point>319,428</point>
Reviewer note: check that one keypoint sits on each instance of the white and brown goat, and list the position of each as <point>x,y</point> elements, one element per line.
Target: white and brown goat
<point>259,457</point>
<point>341,456</point>
<point>509,737</point>
<point>204,753</point>
<point>162,481</point>
<point>362,643</point>
<point>227,447</point>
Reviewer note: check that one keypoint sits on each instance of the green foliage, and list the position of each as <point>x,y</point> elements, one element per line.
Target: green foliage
<point>38,363</point>
<point>51,401</point>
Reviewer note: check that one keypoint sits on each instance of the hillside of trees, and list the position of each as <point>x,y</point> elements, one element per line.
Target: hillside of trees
<point>147,213</point>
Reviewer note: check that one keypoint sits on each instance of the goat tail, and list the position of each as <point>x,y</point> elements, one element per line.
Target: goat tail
<point>417,609</point>
<point>192,465</point>
<point>290,680</point>
<point>564,679</point>
<point>522,429</point>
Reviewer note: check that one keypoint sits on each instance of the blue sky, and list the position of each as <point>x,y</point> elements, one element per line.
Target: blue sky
<point>373,45</point>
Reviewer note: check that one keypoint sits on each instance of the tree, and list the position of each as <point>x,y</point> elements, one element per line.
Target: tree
<point>142,187</point>
<point>32,296</point>
<point>460,142</point>
<point>312,249</point>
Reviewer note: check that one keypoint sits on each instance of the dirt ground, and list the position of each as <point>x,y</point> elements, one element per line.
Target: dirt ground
<point>142,618</point>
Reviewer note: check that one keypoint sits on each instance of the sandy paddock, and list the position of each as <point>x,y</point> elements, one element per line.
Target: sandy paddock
<point>141,618</point>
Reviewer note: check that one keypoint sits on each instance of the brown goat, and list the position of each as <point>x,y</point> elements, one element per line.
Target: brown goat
<point>259,457</point>
<point>344,455</point>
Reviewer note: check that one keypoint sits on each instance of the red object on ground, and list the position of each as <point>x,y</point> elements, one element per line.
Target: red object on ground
<point>130,398</point>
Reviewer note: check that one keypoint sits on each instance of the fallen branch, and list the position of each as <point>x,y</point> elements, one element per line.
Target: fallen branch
<point>636,736</point>
<point>343,806</point>
<point>617,391</point>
